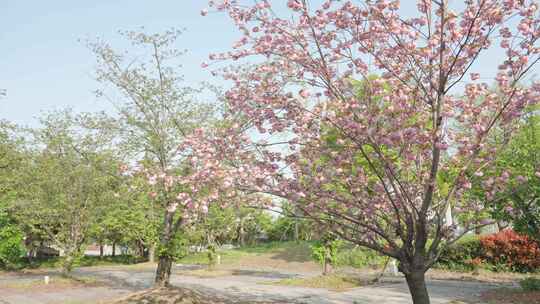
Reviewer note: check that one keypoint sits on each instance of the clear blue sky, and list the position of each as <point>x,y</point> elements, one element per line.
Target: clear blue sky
<point>44,67</point>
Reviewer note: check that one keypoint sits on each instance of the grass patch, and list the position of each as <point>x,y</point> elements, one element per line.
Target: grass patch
<point>301,252</point>
<point>291,249</point>
<point>331,282</point>
<point>273,247</point>
<point>201,258</point>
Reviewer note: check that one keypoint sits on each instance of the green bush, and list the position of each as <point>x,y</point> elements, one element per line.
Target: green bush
<point>11,245</point>
<point>530,284</point>
<point>359,257</point>
<point>326,248</point>
<point>460,255</point>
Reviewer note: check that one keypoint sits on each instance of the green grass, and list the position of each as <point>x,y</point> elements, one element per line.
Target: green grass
<point>230,256</point>
<point>201,258</point>
<point>292,251</point>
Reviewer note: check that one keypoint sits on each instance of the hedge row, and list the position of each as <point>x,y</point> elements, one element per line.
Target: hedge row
<point>502,251</point>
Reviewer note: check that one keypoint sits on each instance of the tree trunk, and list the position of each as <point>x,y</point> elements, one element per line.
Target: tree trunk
<point>416,282</point>
<point>163,271</point>
<point>327,262</point>
<point>327,267</point>
<point>67,264</point>
<point>241,234</point>
<point>100,251</point>
<point>296,229</point>
<point>113,249</point>
<point>152,253</point>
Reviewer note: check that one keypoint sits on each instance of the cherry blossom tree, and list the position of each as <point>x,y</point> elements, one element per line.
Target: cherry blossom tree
<point>371,122</point>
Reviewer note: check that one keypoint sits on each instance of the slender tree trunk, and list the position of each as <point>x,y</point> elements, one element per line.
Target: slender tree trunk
<point>416,281</point>
<point>296,229</point>
<point>67,265</point>
<point>163,271</point>
<point>327,267</point>
<point>113,249</point>
<point>327,262</point>
<point>152,253</point>
<point>241,234</point>
<point>100,251</point>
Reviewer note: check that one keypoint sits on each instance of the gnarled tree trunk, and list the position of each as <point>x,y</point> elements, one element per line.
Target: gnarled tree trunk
<point>416,281</point>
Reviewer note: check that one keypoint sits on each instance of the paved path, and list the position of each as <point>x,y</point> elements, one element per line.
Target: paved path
<point>242,284</point>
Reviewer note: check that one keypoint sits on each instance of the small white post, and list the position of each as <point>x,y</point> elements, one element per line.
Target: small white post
<point>46,280</point>
<point>393,268</point>
<point>448,216</point>
<point>218,260</point>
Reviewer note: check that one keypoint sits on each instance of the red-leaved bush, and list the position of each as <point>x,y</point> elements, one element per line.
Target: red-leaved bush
<point>511,250</point>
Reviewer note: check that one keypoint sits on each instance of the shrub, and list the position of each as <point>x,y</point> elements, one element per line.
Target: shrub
<point>530,284</point>
<point>11,246</point>
<point>326,248</point>
<point>359,257</point>
<point>463,255</point>
<point>510,250</point>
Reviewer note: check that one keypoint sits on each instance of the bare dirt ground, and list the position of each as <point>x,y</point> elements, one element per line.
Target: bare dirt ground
<point>247,280</point>
<point>103,284</point>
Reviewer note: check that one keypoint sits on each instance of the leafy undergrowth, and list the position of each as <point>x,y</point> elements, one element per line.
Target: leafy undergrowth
<point>511,296</point>
<point>334,282</point>
<point>178,296</point>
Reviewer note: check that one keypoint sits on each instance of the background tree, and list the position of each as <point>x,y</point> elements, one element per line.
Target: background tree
<point>516,174</point>
<point>12,159</point>
<point>156,112</point>
<point>375,178</point>
<point>69,176</point>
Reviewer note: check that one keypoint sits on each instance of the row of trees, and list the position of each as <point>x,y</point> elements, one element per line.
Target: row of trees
<point>106,179</point>
<point>65,187</point>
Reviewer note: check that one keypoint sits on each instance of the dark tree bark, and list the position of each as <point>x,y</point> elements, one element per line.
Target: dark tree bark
<point>416,281</point>
<point>163,271</point>
<point>100,251</point>
<point>113,249</point>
